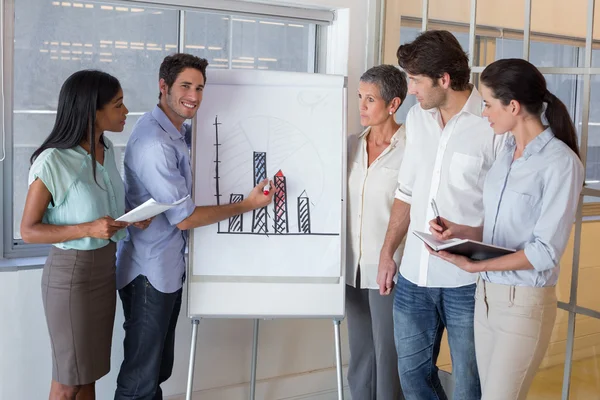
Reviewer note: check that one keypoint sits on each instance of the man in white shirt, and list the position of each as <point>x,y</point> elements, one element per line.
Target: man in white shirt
<point>449,149</point>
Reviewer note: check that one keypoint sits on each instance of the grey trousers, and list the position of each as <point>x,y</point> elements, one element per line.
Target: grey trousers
<point>373,369</point>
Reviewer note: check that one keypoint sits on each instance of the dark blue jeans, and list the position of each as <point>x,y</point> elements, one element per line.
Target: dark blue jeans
<point>149,345</point>
<point>420,316</point>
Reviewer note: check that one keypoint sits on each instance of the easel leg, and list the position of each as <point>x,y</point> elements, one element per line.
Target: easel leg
<point>254,361</point>
<point>190,381</point>
<point>338,359</point>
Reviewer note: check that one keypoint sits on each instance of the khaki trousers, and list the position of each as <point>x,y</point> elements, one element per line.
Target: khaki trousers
<point>513,325</point>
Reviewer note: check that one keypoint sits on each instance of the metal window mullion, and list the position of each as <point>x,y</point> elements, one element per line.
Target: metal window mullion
<point>230,46</point>
<point>588,191</point>
<point>579,310</point>
<point>311,63</point>
<point>255,45</point>
<point>321,49</point>
<point>181,31</point>
<point>585,117</point>
<point>527,30</point>
<point>8,27</point>
<point>472,27</point>
<point>425,19</point>
<point>381,32</point>
<point>572,315</point>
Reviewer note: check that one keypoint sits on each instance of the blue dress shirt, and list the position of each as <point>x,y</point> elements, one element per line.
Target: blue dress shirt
<point>530,204</point>
<point>157,164</point>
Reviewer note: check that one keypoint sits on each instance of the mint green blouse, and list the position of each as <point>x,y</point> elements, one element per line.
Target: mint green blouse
<point>67,173</point>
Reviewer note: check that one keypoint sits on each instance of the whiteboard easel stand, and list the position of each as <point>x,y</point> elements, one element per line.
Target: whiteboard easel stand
<point>190,380</point>
<point>338,359</point>
<point>254,360</point>
<point>224,78</point>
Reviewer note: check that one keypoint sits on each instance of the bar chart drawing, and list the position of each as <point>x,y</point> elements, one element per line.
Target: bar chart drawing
<point>275,219</point>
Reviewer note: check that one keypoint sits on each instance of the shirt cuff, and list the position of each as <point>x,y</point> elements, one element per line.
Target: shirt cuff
<point>400,195</point>
<point>539,256</point>
<point>180,212</point>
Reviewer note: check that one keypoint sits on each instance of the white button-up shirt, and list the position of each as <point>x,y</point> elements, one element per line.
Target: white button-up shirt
<point>370,197</point>
<point>449,164</point>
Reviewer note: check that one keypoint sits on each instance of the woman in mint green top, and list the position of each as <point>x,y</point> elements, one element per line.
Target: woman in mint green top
<point>75,194</point>
<point>68,176</point>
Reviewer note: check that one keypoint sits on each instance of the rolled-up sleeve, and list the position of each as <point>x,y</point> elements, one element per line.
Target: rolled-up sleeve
<point>408,168</point>
<point>559,204</point>
<point>160,175</point>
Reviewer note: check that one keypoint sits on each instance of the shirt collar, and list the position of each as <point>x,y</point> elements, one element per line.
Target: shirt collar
<point>473,105</point>
<point>536,145</point>
<point>166,124</point>
<point>393,141</point>
<point>364,133</point>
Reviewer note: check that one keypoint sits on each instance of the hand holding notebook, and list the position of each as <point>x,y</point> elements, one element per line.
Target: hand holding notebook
<point>472,249</point>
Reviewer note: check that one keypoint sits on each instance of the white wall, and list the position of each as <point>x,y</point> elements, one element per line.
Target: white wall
<point>296,357</point>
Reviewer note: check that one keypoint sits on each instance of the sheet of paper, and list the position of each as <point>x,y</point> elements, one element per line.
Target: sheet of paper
<point>147,210</point>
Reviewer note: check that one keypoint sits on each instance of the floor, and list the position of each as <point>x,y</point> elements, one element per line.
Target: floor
<point>585,381</point>
<point>547,385</point>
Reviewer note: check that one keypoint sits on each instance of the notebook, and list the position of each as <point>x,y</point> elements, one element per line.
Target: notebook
<point>465,247</point>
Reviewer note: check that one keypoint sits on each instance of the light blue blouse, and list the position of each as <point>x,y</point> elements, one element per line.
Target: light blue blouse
<point>67,173</point>
<point>530,204</point>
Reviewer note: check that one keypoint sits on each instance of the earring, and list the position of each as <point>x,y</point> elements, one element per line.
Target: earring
<point>391,112</point>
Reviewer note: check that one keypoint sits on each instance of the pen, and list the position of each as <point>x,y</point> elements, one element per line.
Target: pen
<point>437,215</point>
<point>266,189</point>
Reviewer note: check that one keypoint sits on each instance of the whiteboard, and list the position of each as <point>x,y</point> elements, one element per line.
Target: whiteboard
<point>284,260</point>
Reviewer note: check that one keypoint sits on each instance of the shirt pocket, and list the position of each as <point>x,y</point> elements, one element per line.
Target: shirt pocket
<point>385,182</point>
<point>523,208</point>
<point>464,171</point>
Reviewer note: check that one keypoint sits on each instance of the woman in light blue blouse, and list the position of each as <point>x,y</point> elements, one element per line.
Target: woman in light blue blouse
<point>75,193</point>
<point>530,198</point>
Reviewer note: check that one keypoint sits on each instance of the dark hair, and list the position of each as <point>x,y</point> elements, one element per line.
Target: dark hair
<point>516,79</point>
<point>434,53</point>
<point>81,95</point>
<point>172,66</point>
<point>390,81</point>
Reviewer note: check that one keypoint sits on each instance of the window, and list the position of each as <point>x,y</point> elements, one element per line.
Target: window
<point>250,42</point>
<point>53,39</point>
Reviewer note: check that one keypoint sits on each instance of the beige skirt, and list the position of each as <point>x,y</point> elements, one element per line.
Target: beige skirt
<point>79,296</point>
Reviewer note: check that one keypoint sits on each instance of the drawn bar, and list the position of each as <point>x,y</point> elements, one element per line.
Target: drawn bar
<point>280,207</point>
<point>303,213</point>
<point>259,217</point>
<point>236,223</point>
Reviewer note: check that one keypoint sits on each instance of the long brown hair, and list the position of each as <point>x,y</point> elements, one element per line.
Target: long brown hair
<point>516,79</point>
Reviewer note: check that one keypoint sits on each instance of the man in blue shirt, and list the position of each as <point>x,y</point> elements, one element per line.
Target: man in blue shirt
<point>150,263</point>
